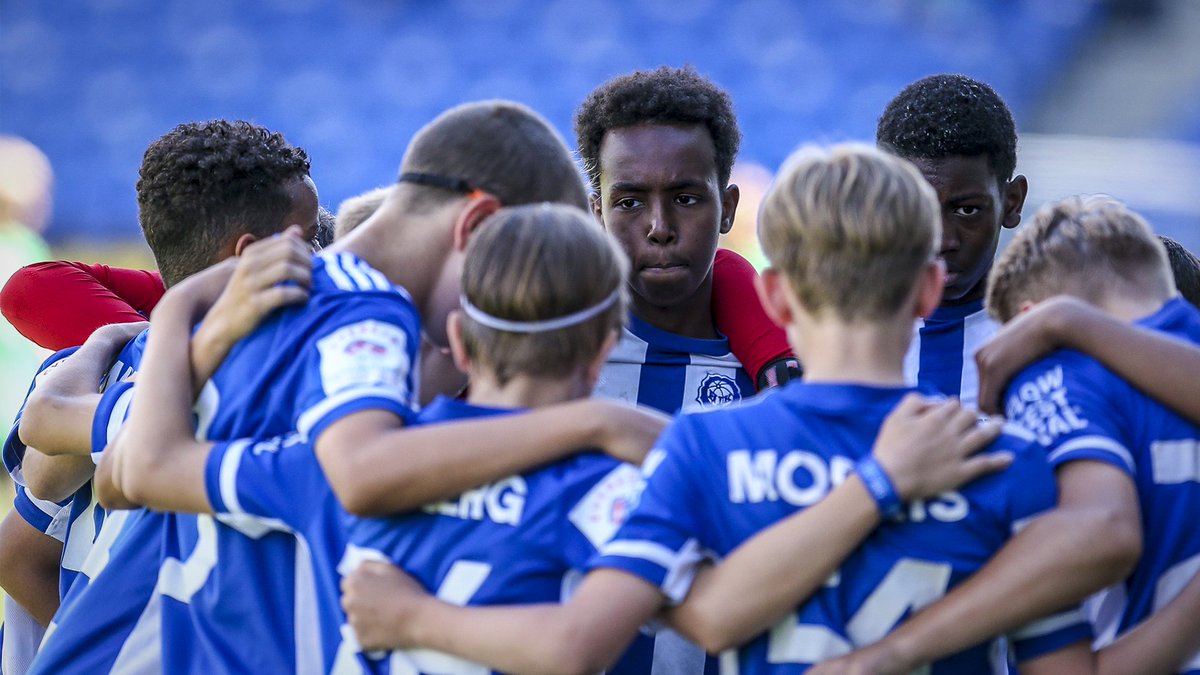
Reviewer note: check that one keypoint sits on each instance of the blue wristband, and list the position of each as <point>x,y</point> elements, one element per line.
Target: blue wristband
<point>879,485</point>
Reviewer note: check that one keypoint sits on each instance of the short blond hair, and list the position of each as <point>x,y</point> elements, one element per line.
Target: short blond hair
<point>355,211</point>
<point>851,227</point>
<point>535,263</point>
<point>1086,246</point>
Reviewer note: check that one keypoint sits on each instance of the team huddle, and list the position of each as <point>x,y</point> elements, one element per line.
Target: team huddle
<point>492,418</point>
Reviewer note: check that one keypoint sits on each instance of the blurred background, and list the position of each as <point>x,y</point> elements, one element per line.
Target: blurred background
<point>1106,93</point>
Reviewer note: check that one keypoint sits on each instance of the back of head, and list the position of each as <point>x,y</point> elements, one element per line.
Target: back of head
<point>950,115</point>
<point>26,181</point>
<point>1085,246</point>
<point>851,227</point>
<point>1185,267</point>
<point>539,263</point>
<point>665,96</point>
<point>500,147</point>
<point>204,183</point>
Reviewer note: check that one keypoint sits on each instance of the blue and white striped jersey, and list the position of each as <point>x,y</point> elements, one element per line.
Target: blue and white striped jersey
<point>229,583</point>
<point>717,478</point>
<point>669,372</point>
<point>519,540</point>
<point>1079,410</point>
<point>80,517</point>
<point>941,357</point>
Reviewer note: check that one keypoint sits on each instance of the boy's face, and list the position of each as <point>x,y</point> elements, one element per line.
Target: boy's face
<point>661,199</point>
<point>304,211</point>
<point>975,205</point>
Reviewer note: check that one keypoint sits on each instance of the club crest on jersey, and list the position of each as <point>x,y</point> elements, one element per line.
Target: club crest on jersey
<point>718,390</point>
<point>364,354</point>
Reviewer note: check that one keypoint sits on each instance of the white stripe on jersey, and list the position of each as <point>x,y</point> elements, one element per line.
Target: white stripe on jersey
<point>310,657</point>
<point>181,579</point>
<point>1104,611</point>
<point>1101,443</point>
<point>621,375</point>
<point>229,469</point>
<point>978,328</point>
<point>1175,462</point>
<point>82,534</point>
<point>361,281</point>
<point>373,275</point>
<point>22,635</point>
<point>1048,625</point>
<point>680,565</point>
<point>310,417</point>
<point>333,267</point>
<point>141,653</point>
<point>120,411</point>
<point>97,558</point>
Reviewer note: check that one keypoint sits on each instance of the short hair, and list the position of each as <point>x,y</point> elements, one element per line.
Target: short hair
<point>205,183</point>
<point>538,262</point>
<point>1185,267</point>
<point>943,116</point>
<point>326,223</point>
<point>851,227</point>
<point>500,147</point>
<point>663,96</point>
<point>1085,246</point>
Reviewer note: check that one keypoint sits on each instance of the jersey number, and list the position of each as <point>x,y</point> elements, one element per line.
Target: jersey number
<point>908,586</point>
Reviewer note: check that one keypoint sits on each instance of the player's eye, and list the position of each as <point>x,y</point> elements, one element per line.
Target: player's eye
<point>967,211</point>
<point>628,203</point>
<point>687,200</point>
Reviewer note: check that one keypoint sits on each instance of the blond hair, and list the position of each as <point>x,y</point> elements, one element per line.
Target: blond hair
<point>534,263</point>
<point>851,227</point>
<point>355,211</point>
<point>1086,246</point>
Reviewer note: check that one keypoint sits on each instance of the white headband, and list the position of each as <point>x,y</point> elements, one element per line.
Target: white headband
<point>484,319</point>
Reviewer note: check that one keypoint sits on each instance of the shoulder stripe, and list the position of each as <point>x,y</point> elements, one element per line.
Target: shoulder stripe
<point>376,278</point>
<point>350,267</point>
<point>333,268</point>
<point>680,565</point>
<point>1100,443</point>
<point>310,417</point>
<point>229,471</point>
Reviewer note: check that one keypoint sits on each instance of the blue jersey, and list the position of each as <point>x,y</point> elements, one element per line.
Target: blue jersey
<point>669,372</point>
<point>229,583</point>
<point>82,516</point>
<point>941,357</point>
<point>718,478</point>
<point>1079,410</point>
<point>519,540</point>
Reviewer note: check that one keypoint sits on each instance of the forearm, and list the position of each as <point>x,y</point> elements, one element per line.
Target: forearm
<point>727,605</point>
<point>379,471</point>
<point>1160,365</point>
<point>107,485</point>
<point>29,567</point>
<point>57,422</point>
<point>55,478</point>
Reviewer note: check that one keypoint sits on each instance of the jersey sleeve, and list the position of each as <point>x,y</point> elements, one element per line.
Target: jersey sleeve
<point>367,360</point>
<point>47,517</point>
<point>276,479</point>
<point>737,312</point>
<point>59,304</point>
<point>1075,409</point>
<point>14,447</point>
<point>110,415</point>
<point>660,541</point>
<point>597,494</point>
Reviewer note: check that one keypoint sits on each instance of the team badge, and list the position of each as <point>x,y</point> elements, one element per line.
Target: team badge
<point>718,390</point>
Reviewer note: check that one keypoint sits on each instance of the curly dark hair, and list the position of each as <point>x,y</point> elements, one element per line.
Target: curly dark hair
<point>665,95</point>
<point>1186,269</point>
<point>204,183</point>
<point>945,115</point>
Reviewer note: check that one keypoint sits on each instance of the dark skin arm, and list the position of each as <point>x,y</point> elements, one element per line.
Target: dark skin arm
<point>29,567</point>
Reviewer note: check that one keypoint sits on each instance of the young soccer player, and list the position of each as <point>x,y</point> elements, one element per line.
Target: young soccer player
<point>961,136</point>
<point>1105,438</point>
<point>189,170</point>
<point>658,147</point>
<point>719,477</point>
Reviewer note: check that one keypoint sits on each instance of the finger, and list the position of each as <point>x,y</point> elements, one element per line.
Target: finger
<point>979,437</point>
<point>913,404</point>
<point>983,465</point>
<point>280,271</point>
<point>280,296</point>
<point>962,421</point>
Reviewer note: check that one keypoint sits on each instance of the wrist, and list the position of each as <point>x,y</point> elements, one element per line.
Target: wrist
<point>879,485</point>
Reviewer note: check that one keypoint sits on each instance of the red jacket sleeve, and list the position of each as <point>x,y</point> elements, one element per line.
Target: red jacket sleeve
<point>737,312</point>
<point>58,304</point>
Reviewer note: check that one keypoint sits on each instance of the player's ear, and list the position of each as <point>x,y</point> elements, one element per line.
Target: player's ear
<point>458,349</point>
<point>596,207</point>
<point>1014,200</point>
<point>772,294</point>
<point>729,203</point>
<point>930,285</point>
<point>597,363</point>
<point>242,242</point>
<point>479,206</point>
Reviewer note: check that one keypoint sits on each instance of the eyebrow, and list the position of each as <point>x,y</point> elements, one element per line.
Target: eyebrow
<point>983,196</point>
<point>624,186</point>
